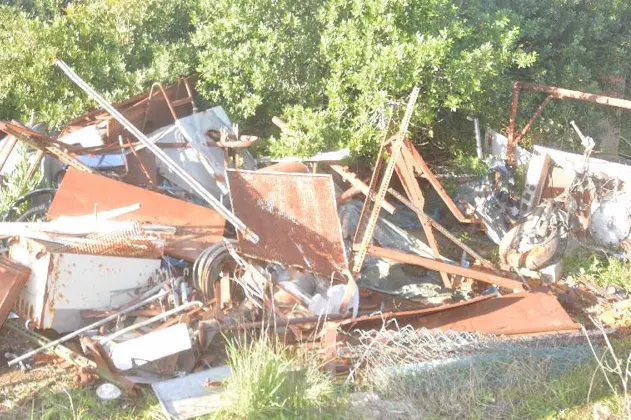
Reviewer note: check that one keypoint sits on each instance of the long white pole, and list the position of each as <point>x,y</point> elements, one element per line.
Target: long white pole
<point>160,154</point>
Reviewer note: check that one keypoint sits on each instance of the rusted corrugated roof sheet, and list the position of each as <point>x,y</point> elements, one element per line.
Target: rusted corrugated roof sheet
<point>295,217</point>
<point>13,276</point>
<point>197,227</point>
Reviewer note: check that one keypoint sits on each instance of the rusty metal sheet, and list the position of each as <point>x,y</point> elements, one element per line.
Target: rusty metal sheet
<point>197,227</point>
<point>295,216</point>
<point>516,314</point>
<point>13,276</point>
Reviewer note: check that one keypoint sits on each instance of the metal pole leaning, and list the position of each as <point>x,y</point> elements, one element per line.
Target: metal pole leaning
<point>84,329</point>
<point>160,154</point>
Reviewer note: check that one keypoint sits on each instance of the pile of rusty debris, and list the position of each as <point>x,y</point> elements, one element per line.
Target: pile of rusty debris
<point>136,262</point>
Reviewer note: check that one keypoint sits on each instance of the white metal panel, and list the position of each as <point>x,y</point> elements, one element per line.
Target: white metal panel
<point>150,347</point>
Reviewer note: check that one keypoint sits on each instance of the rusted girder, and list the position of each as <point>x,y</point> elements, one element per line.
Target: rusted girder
<point>430,264</point>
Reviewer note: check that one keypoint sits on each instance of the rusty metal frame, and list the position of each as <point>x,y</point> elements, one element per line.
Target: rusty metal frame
<point>553,93</point>
<point>421,168</point>
<point>404,169</point>
<point>7,148</point>
<point>44,144</point>
<point>359,185</point>
<point>379,187</point>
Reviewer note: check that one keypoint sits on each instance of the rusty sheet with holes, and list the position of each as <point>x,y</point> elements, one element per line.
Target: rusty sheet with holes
<point>295,216</point>
<point>197,227</point>
<point>13,276</point>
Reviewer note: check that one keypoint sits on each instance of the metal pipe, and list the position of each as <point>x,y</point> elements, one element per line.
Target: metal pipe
<point>532,119</point>
<point>84,329</point>
<point>478,138</point>
<point>150,321</point>
<point>560,93</point>
<point>160,154</point>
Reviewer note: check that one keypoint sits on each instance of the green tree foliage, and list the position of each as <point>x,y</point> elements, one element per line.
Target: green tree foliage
<point>331,68</point>
<point>118,46</point>
<point>578,42</point>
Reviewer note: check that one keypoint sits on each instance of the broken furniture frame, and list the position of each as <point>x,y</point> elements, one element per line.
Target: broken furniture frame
<point>553,93</point>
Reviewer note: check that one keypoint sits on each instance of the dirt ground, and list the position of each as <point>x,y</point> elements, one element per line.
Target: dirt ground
<point>17,384</point>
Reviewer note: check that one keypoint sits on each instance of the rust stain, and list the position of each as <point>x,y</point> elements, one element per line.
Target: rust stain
<point>295,217</point>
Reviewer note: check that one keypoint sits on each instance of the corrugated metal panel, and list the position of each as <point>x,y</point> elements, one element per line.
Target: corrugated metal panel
<point>295,216</point>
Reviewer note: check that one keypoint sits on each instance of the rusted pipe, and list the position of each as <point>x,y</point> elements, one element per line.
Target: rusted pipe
<point>532,119</point>
<point>444,267</point>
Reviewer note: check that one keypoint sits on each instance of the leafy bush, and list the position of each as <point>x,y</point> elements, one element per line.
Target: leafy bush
<point>333,67</point>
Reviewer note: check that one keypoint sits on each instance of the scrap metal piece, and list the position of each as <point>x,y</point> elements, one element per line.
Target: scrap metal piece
<point>355,182</point>
<point>13,277</point>
<point>193,395</point>
<point>553,93</point>
<point>520,313</point>
<point>52,344</point>
<point>378,188</point>
<point>151,347</point>
<point>61,285</point>
<point>43,144</point>
<point>295,216</point>
<point>160,154</point>
<point>442,266</point>
<point>404,168</point>
<point>610,221</point>
<point>197,227</point>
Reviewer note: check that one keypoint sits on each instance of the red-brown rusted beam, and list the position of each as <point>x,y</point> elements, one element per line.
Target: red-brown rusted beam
<point>554,93</point>
<point>560,93</point>
<point>357,183</point>
<point>532,119</point>
<point>444,267</point>
<point>423,169</point>
<point>405,170</point>
<point>7,148</point>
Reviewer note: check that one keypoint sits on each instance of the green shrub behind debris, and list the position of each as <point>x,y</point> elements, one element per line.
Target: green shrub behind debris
<point>15,184</point>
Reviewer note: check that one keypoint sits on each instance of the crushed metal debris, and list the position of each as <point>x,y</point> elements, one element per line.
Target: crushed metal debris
<point>133,260</point>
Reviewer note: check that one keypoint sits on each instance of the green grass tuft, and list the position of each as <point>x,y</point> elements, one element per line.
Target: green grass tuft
<point>598,269</point>
<point>15,184</point>
<point>269,382</point>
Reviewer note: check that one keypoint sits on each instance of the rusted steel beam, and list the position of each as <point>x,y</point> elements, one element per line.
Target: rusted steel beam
<point>357,183</point>
<point>13,277</point>
<point>7,148</point>
<point>532,119</point>
<point>40,142</point>
<point>553,93</point>
<point>405,171</point>
<point>560,93</point>
<point>423,169</point>
<point>34,165</point>
<point>379,184</point>
<point>447,268</point>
